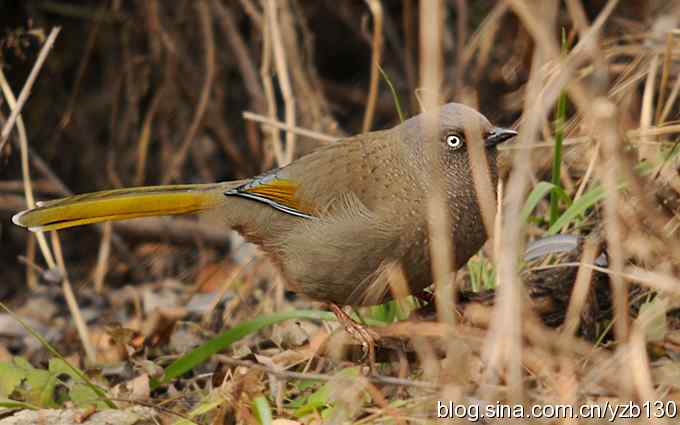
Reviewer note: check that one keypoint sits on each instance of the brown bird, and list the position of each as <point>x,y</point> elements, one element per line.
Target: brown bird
<point>333,220</point>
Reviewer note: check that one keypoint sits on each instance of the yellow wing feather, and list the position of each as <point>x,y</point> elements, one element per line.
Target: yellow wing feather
<point>281,191</point>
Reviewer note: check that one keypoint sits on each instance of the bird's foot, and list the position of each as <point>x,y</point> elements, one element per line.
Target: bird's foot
<point>364,335</point>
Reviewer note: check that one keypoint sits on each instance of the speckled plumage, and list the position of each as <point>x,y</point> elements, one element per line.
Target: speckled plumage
<point>335,221</point>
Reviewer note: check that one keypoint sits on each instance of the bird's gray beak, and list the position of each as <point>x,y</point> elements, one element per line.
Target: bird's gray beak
<point>499,135</point>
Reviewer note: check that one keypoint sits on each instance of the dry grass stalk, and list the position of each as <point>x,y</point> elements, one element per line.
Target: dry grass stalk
<point>280,63</point>
<point>26,89</point>
<point>503,348</point>
<point>102,266</point>
<point>274,124</point>
<point>209,44</point>
<point>441,249</point>
<point>23,144</point>
<point>582,288</point>
<point>376,48</point>
<point>70,297</point>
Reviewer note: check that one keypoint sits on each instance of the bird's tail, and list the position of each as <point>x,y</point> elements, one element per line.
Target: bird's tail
<point>123,204</point>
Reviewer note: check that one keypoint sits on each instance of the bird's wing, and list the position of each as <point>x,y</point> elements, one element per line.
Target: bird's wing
<point>276,191</point>
<point>315,185</point>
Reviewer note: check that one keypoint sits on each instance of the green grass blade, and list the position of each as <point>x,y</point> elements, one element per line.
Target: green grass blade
<point>203,407</point>
<point>203,352</point>
<point>263,411</point>
<point>395,96</point>
<point>560,119</point>
<point>587,200</point>
<point>538,193</point>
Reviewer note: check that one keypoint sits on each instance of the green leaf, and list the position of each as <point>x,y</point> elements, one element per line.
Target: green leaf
<point>22,363</point>
<point>315,401</point>
<point>82,395</point>
<point>13,404</point>
<point>205,406</point>
<point>538,193</point>
<point>587,200</point>
<point>11,378</point>
<point>39,388</point>
<point>60,367</point>
<point>263,411</point>
<point>203,352</point>
<point>319,399</point>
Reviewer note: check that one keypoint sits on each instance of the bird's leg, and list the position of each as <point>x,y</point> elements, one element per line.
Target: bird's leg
<point>359,332</point>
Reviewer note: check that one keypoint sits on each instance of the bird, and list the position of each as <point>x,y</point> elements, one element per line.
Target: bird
<point>336,220</point>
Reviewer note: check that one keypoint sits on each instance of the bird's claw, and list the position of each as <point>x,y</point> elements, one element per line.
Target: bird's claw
<point>362,334</point>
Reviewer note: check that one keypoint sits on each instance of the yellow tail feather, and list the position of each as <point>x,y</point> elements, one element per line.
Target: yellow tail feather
<point>122,204</point>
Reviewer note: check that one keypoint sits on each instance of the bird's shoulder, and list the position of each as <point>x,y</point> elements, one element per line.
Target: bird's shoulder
<point>368,166</point>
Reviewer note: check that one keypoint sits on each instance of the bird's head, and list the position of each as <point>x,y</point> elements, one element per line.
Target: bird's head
<point>446,135</point>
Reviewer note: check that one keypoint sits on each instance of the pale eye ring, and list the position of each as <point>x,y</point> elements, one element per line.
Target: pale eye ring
<point>454,141</point>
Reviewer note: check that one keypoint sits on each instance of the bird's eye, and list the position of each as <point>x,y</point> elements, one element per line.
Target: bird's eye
<point>454,141</point>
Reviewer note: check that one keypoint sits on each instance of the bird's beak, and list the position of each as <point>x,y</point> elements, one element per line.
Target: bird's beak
<point>499,135</point>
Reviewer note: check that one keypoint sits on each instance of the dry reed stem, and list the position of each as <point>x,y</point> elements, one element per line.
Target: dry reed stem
<point>604,113</point>
<point>242,55</point>
<point>274,124</point>
<point>209,45</point>
<point>26,89</point>
<point>670,102</point>
<point>579,95</point>
<point>80,74</point>
<point>266,77</point>
<point>144,139</point>
<point>594,156</point>
<point>482,38</point>
<point>314,112</point>
<point>379,398</point>
<point>582,287</point>
<point>31,275</point>
<point>461,38</point>
<point>252,11</point>
<point>102,266</point>
<point>25,172</point>
<point>639,366</point>
<point>70,298</point>
<point>440,246</point>
<point>628,80</point>
<point>498,223</point>
<point>484,189</point>
<point>503,344</point>
<point>646,152</point>
<point>441,249</point>
<point>376,51</point>
<point>281,66</point>
<point>409,49</point>
<point>578,16</point>
<point>668,58</point>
